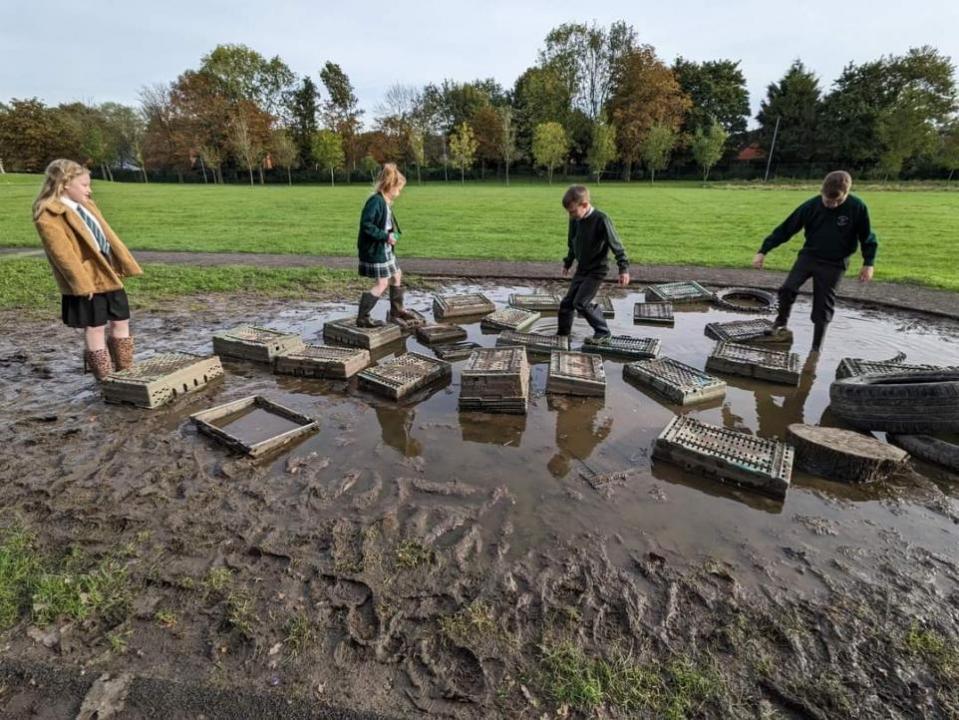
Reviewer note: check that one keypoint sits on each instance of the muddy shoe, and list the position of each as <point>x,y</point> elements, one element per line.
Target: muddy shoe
<point>778,333</point>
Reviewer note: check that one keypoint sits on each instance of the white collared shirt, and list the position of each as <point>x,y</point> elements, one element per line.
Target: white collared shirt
<point>74,205</point>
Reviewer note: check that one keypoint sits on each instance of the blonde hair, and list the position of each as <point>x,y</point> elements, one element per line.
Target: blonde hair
<point>836,184</point>
<point>59,174</point>
<point>389,178</point>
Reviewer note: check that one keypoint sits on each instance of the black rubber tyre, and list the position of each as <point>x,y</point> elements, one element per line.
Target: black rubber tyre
<point>727,298</point>
<point>916,402</point>
<point>930,449</point>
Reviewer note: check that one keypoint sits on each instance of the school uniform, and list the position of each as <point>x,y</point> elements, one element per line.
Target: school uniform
<point>831,237</point>
<point>376,257</point>
<point>87,257</point>
<point>589,242</point>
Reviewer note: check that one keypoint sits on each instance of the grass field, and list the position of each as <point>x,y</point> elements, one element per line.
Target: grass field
<point>918,230</point>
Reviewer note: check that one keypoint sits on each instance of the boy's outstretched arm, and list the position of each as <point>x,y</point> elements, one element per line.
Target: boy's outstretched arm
<point>785,230</point>
<point>570,250</point>
<point>622,262</point>
<point>868,245</point>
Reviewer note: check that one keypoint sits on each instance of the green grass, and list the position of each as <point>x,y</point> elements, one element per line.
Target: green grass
<point>721,225</point>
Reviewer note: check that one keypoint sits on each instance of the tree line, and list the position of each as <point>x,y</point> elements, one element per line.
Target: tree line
<point>596,100</point>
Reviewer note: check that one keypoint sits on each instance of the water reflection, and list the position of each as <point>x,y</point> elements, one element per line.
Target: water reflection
<point>396,424</point>
<point>579,429</point>
<point>492,428</point>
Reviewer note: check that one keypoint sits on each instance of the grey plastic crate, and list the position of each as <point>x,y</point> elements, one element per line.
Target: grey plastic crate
<point>455,351</point>
<point>404,375</point>
<point>574,373</point>
<point>851,367</point>
<point>509,319</point>
<point>440,333</point>
<point>677,382</point>
<point>212,422</point>
<point>739,330</point>
<point>759,363</point>
<point>537,302</point>
<point>653,313</point>
<point>751,462</point>
<point>160,379</point>
<point>465,305</point>
<point>626,346</point>
<point>408,327</point>
<point>535,343</point>
<point>495,380</point>
<point>344,331</point>
<point>259,344</point>
<point>688,291</point>
<point>322,361</point>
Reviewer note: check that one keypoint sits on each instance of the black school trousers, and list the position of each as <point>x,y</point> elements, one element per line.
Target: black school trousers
<point>826,276</point>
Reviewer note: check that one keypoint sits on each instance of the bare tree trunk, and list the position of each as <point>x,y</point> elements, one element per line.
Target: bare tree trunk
<point>203,170</point>
<point>507,172</point>
<point>250,170</point>
<point>179,175</point>
<point>652,175</point>
<point>332,180</point>
<point>419,177</point>
<point>628,170</point>
<point>948,179</point>
<point>260,170</point>
<point>146,179</point>
<point>2,171</point>
<point>462,174</point>
<point>289,176</point>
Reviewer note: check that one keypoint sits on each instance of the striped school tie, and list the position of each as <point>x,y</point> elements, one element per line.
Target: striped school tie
<point>95,229</point>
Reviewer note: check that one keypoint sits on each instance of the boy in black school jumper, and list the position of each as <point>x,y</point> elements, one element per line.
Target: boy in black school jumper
<point>591,237</point>
<point>835,222</point>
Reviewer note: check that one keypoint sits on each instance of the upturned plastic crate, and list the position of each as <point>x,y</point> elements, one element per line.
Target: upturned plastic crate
<point>404,375</point>
<point>465,305</point>
<point>160,379</point>
<point>344,331</point>
<point>495,380</point>
<point>677,382</point>
<point>688,291</point>
<point>653,313</point>
<point>322,361</point>
<point>574,373</point>
<point>759,363</point>
<point>509,319</point>
<point>625,346</point>
<point>259,344</point>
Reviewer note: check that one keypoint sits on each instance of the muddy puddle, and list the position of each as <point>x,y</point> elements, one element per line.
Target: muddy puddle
<point>395,519</point>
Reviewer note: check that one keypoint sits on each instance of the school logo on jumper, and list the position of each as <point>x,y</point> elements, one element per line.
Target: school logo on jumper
<point>842,220</point>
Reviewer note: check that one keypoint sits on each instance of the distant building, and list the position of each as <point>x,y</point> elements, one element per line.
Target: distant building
<point>751,152</point>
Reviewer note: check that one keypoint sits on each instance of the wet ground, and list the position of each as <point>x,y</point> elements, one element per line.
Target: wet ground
<point>433,560</point>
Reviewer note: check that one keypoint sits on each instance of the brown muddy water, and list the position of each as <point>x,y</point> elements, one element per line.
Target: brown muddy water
<point>486,509</point>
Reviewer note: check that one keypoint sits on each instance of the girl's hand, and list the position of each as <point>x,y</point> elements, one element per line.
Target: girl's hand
<point>90,296</point>
<point>390,239</point>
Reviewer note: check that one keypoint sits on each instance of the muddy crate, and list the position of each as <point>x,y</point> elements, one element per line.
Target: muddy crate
<point>605,303</point>
<point>495,380</point>
<point>259,344</point>
<point>625,346</point>
<point>509,319</point>
<point>688,291</point>
<point>404,375</point>
<point>537,302</point>
<point>852,367</point>
<point>574,373</point>
<point>466,305</point>
<point>677,382</point>
<point>456,350</point>
<point>344,331</point>
<point>160,379</point>
<point>440,333</point>
<point>253,425</point>
<point>322,361</point>
<point>535,343</point>
<point>759,363</point>
<point>653,313</point>
<point>751,331</point>
<point>751,462</point>
<point>407,326</point>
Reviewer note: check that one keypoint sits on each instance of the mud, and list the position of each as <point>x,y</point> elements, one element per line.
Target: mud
<point>409,558</point>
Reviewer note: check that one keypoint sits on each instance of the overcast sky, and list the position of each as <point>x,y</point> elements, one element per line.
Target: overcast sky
<point>103,50</point>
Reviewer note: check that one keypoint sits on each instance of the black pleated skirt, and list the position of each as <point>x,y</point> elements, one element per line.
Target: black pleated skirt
<point>79,312</point>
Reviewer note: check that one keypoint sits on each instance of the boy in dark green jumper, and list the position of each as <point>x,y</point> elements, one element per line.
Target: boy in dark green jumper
<point>591,237</point>
<point>835,222</point>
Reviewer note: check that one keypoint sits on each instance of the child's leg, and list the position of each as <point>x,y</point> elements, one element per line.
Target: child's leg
<point>397,311</point>
<point>120,344</point>
<point>583,302</point>
<point>564,320</point>
<point>120,328</point>
<point>380,287</point>
<point>826,279</point>
<point>95,338</point>
<point>397,278</point>
<point>801,271</point>
<point>368,301</point>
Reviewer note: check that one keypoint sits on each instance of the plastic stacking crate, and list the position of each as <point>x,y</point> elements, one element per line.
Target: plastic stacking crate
<point>509,319</point>
<point>537,302</point>
<point>754,463</point>
<point>466,305</point>
<point>253,425</point>
<point>259,344</point>
<point>344,331</point>
<point>535,343</point>
<point>605,306</point>
<point>573,373</point>
<point>322,361</point>
<point>760,363</point>
<point>852,367</point>
<point>160,379</point>
<point>677,382</point>
<point>495,380</point>
<point>653,313</point>
<point>440,333</point>
<point>455,351</point>
<point>739,330</point>
<point>404,375</point>
<point>626,346</point>
<point>407,326</point>
<point>688,291</point>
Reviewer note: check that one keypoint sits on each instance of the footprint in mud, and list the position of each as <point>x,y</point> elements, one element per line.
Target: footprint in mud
<point>348,593</point>
<point>362,623</point>
<point>457,673</point>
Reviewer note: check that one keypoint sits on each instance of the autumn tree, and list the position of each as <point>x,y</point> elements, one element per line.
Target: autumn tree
<point>645,93</point>
<point>656,147</point>
<point>29,135</point>
<point>550,146</point>
<point>328,152</point>
<point>284,151</point>
<point>488,130</point>
<point>249,136</point>
<point>463,148</point>
<point>707,147</point>
<point>507,146</point>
